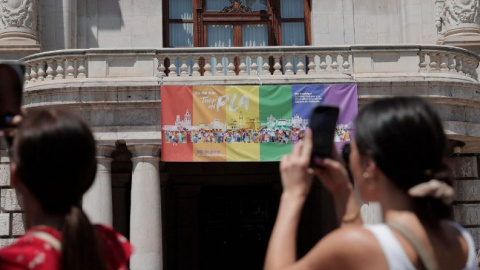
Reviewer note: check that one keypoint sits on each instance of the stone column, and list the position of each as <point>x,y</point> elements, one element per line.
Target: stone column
<point>18,27</point>
<point>69,23</point>
<point>145,214</point>
<point>97,201</point>
<point>461,22</point>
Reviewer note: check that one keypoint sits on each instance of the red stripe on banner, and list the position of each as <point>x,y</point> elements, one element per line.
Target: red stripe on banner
<point>176,144</point>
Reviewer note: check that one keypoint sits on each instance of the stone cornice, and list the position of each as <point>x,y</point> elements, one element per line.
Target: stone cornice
<point>144,150</point>
<point>104,151</point>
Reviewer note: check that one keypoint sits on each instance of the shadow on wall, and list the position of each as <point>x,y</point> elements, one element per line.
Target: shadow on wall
<point>99,23</point>
<point>103,21</point>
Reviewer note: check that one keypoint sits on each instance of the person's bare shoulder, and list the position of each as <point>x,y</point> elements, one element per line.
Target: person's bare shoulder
<point>351,247</point>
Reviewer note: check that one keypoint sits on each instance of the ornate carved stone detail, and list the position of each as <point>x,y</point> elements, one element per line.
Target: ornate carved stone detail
<point>462,11</point>
<point>237,7</point>
<point>18,14</point>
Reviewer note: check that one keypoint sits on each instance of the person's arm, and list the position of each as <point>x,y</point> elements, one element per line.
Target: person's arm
<point>334,177</point>
<point>296,181</point>
<point>350,247</point>
<point>282,247</point>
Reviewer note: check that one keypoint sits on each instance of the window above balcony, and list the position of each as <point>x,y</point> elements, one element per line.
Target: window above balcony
<point>232,23</point>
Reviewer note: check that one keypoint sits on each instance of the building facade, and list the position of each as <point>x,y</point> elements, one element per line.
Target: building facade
<point>107,60</point>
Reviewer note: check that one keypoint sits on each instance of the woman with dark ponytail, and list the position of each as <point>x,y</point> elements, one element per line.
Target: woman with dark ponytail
<point>53,165</point>
<point>398,158</point>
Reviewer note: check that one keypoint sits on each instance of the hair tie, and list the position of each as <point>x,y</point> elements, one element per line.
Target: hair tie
<point>433,188</point>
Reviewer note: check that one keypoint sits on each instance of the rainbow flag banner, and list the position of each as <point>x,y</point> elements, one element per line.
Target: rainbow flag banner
<point>246,123</point>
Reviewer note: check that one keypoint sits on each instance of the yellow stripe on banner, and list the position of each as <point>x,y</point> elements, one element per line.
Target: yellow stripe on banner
<point>209,123</point>
<point>242,107</point>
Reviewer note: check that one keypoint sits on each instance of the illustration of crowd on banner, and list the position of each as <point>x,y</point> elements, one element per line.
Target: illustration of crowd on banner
<point>281,131</point>
<point>230,120</point>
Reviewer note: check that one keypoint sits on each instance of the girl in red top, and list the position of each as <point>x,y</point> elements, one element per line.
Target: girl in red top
<point>53,164</point>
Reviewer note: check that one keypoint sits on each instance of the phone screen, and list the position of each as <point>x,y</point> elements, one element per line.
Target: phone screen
<point>323,121</point>
<point>11,85</point>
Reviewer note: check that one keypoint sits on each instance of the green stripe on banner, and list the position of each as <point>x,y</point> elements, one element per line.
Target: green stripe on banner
<point>275,103</point>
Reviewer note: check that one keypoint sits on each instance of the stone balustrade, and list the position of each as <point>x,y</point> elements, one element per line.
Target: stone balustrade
<point>260,62</point>
<point>117,90</point>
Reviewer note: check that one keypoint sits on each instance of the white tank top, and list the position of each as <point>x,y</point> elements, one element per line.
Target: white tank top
<point>396,257</point>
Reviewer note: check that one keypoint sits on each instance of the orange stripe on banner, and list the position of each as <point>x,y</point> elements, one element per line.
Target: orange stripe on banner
<point>176,118</point>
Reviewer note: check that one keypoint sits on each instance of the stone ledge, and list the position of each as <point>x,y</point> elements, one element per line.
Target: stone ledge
<point>4,224</point>
<point>9,200</point>
<point>4,175</point>
<point>467,190</point>
<point>464,167</point>
<point>18,226</point>
<point>6,242</point>
<point>467,214</point>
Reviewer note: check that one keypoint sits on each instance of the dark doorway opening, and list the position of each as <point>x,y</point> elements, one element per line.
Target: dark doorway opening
<point>220,215</point>
<point>235,226</point>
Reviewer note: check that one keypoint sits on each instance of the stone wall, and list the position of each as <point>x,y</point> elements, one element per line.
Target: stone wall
<point>104,24</point>
<point>130,24</point>
<point>467,187</point>
<point>373,22</point>
<point>11,217</point>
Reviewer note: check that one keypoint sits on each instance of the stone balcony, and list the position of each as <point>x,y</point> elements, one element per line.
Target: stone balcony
<point>117,90</point>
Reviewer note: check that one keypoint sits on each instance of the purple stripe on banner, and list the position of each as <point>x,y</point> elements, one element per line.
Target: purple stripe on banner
<point>305,97</point>
<point>344,96</point>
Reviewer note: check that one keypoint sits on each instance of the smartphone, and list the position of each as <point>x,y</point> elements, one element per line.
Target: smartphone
<point>11,86</point>
<point>323,121</point>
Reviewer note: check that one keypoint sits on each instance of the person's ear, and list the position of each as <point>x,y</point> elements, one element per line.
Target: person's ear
<point>371,174</point>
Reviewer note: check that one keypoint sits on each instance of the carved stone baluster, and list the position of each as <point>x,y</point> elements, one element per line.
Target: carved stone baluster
<point>458,64</point>
<point>184,67</point>
<point>434,67</point>
<point>470,67</point>
<point>172,68</point>
<point>27,74</point>
<point>311,65</point>
<point>161,66</point>
<point>208,67</point>
<point>443,62</point>
<point>60,70</point>
<point>254,66</point>
<point>277,66</point>
<point>474,70</point>
<point>300,66</point>
<point>50,69</point>
<point>335,64</point>
<point>219,66</point>
<point>266,65</point>
<point>323,63</point>
<point>288,65</point>
<point>465,66</point>
<point>346,63</point>
<point>41,71</point>
<point>231,66</point>
<point>33,72</point>
<point>196,66</point>
<point>451,63</point>
<point>422,63</point>
<point>243,66</point>
<point>82,71</point>
<point>70,68</point>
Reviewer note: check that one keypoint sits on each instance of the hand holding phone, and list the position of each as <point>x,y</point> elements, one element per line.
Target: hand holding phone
<point>323,121</point>
<point>11,85</point>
